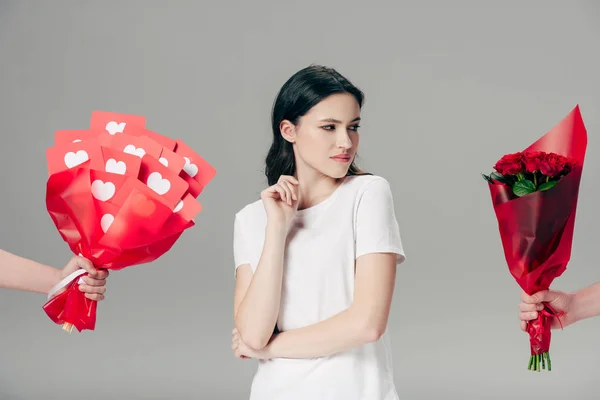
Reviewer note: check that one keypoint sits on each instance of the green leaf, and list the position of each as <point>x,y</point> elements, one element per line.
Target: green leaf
<point>501,178</point>
<point>487,178</point>
<point>548,185</point>
<point>523,188</point>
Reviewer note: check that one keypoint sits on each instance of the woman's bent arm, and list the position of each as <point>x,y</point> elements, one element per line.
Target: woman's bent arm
<point>363,322</point>
<point>257,296</point>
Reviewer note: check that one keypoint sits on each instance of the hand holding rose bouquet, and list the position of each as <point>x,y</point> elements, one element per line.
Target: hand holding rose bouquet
<point>534,194</point>
<point>119,195</point>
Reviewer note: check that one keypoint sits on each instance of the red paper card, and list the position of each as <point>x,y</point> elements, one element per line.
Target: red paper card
<point>157,137</point>
<point>106,213</point>
<point>146,206</point>
<point>118,162</point>
<point>140,220</point>
<point>115,123</point>
<point>188,208</point>
<point>71,155</point>
<point>163,181</point>
<point>196,168</point>
<point>172,160</point>
<point>128,187</point>
<point>138,146</point>
<point>105,139</point>
<point>105,185</point>
<point>65,136</point>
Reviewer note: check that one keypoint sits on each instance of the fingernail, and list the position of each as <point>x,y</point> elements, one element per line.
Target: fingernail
<point>81,288</point>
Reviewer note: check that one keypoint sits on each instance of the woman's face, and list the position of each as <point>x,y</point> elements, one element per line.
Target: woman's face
<point>326,138</point>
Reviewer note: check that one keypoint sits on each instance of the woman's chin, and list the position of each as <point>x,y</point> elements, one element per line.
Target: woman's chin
<point>337,173</point>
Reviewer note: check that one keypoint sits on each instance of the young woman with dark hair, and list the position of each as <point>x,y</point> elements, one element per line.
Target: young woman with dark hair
<point>316,256</point>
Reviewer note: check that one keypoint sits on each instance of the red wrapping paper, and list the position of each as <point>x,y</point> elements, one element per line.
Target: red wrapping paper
<point>115,205</point>
<point>536,230</point>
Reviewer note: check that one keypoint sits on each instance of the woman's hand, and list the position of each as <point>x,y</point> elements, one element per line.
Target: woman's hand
<point>95,283</point>
<point>281,201</point>
<point>560,302</point>
<point>242,351</point>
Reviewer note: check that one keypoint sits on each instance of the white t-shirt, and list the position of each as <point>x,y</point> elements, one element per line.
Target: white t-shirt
<point>318,282</point>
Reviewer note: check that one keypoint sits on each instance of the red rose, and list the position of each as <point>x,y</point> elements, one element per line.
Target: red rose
<point>553,165</point>
<point>570,164</point>
<point>510,164</point>
<point>533,160</point>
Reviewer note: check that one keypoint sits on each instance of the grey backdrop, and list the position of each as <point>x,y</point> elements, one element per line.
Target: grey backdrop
<point>449,89</point>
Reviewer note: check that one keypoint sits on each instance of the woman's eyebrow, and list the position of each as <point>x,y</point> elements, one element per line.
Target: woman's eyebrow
<point>336,121</point>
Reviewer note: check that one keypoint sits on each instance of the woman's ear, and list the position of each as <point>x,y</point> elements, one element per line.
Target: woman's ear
<point>288,131</point>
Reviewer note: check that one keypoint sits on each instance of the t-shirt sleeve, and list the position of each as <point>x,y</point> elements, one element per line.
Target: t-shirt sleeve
<point>377,229</point>
<point>241,246</point>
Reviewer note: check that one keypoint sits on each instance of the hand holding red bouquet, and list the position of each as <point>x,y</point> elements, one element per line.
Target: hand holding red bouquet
<point>534,194</point>
<point>120,195</point>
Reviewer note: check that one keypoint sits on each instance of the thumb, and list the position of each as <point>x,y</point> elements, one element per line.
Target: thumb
<point>87,265</point>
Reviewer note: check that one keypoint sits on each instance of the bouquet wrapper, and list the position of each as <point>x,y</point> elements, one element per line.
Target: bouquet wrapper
<point>119,197</point>
<point>537,230</point>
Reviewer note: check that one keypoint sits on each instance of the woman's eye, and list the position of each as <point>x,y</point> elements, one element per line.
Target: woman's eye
<point>332,127</point>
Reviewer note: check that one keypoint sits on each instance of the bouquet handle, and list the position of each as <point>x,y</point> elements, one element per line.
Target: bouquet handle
<point>66,281</point>
<point>539,337</point>
<point>57,301</point>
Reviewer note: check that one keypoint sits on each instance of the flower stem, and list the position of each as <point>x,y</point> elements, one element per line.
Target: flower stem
<point>538,362</point>
<point>535,179</point>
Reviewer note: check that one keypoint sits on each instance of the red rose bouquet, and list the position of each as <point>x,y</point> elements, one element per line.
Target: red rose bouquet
<point>534,194</point>
<point>120,195</point>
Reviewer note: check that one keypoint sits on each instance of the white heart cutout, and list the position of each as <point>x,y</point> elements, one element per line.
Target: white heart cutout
<point>103,191</point>
<point>179,206</point>
<point>106,221</point>
<point>73,159</point>
<point>113,128</point>
<point>158,184</point>
<point>131,149</point>
<point>189,168</point>
<point>164,161</point>
<point>116,167</point>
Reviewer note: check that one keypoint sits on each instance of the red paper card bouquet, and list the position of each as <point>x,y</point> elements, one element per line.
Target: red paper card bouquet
<point>120,195</point>
<point>534,194</point>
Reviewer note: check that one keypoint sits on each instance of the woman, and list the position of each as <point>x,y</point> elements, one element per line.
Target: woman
<point>574,307</point>
<point>316,256</point>
<point>22,274</point>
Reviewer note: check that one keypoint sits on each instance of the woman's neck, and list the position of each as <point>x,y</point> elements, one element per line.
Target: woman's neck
<point>314,187</point>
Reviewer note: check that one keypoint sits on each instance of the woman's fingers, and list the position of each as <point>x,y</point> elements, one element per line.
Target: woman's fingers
<point>290,195</point>
<point>92,289</point>
<point>528,316</point>
<point>285,189</point>
<point>291,184</point>
<point>531,307</point>
<point>280,191</point>
<point>94,282</point>
<point>288,178</point>
<point>95,296</point>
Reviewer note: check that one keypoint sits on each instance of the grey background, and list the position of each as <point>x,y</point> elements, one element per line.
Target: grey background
<point>450,87</point>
